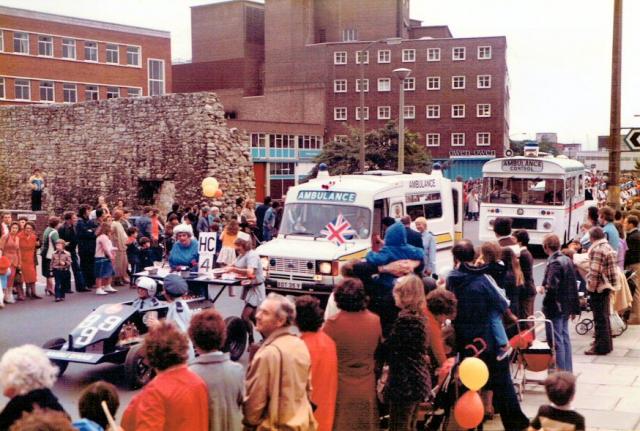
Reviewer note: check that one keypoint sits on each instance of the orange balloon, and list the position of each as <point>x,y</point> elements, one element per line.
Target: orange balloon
<point>469,410</point>
<point>218,193</point>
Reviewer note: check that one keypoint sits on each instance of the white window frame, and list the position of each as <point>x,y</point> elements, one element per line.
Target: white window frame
<point>409,112</point>
<point>433,54</point>
<point>362,55</point>
<point>69,45</point>
<point>21,43</point>
<point>28,87</point>
<point>49,89</point>
<point>340,57</point>
<point>479,80</point>
<point>45,42</point>
<point>3,89</point>
<point>408,55</point>
<point>432,139</point>
<point>133,55</point>
<point>110,52</point>
<point>137,90</point>
<point>456,57</point>
<point>457,80</point>
<point>149,79</point>
<point>91,49</point>
<point>110,91</point>
<point>483,110</point>
<point>387,82</point>
<point>433,111</point>
<point>1,41</point>
<point>366,113</point>
<point>482,55</point>
<point>453,111</point>
<point>409,83</point>
<point>88,90</point>
<point>339,85</point>
<point>480,136</point>
<point>349,35</point>
<point>454,137</point>
<point>365,85</point>
<point>384,56</point>
<point>67,90</point>
<point>384,112</point>
<point>436,80</point>
<point>340,113</point>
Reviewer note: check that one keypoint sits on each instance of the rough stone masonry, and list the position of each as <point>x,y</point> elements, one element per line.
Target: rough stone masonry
<point>148,150</point>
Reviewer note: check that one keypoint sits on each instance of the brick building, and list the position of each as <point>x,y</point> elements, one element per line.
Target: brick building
<point>46,58</point>
<point>288,72</point>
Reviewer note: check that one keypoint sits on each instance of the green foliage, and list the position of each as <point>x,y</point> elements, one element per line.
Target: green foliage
<point>342,157</point>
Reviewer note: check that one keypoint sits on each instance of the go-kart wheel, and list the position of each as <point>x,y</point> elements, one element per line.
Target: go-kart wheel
<point>136,370</point>
<point>582,328</point>
<point>56,344</point>
<point>236,337</point>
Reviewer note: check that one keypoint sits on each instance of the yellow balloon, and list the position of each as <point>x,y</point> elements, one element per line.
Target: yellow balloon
<point>473,373</point>
<point>209,191</point>
<point>210,181</point>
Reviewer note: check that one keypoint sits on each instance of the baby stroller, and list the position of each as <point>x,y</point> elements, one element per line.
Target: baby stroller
<point>435,414</point>
<point>619,322</point>
<point>585,324</point>
<point>532,350</point>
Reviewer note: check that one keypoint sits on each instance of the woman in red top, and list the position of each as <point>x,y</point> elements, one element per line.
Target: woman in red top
<point>324,360</point>
<point>441,305</point>
<point>28,244</point>
<point>10,247</point>
<point>176,399</point>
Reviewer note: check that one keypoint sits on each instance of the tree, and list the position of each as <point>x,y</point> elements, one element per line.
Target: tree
<point>381,148</point>
<point>636,167</point>
<point>547,147</point>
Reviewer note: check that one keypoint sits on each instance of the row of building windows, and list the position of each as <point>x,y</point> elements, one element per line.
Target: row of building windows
<point>409,55</point>
<point>73,49</point>
<point>483,110</point>
<point>433,83</point>
<point>305,142</point>
<point>22,91</point>
<point>457,139</point>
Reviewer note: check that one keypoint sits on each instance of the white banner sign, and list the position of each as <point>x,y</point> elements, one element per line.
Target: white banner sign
<point>207,251</point>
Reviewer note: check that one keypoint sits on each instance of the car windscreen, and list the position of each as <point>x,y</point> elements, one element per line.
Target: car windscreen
<point>524,191</point>
<point>312,219</point>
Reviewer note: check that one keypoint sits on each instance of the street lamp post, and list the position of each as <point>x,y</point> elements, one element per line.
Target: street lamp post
<point>401,73</point>
<point>388,41</point>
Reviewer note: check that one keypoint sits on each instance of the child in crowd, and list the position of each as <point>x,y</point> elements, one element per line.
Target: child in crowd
<point>90,407</point>
<point>146,254</point>
<point>133,251</point>
<point>560,388</point>
<point>5,273</point>
<point>147,288</point>
<point>61,267</point>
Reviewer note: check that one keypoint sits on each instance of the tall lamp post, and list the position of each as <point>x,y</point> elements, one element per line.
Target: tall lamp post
<point>614,120</point>
<point>388,41</point>
<point>401,73</point>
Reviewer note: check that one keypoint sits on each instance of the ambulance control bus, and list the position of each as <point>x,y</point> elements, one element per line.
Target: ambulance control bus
<point>540,194</point>
<point>306,256</point>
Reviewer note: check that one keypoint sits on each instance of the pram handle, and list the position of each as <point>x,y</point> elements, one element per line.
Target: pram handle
<point>473,346</point>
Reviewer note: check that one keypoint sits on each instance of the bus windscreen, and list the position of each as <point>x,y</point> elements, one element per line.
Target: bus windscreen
<point>523,191</point>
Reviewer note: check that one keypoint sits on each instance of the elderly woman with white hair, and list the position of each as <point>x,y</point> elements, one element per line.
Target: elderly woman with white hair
<point>26,376</point>
<point>185,251</point>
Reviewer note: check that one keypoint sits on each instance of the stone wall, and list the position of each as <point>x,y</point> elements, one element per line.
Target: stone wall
<point>141,150</point>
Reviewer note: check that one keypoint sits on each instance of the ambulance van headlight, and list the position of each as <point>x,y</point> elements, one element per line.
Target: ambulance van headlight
<point>324,268</point>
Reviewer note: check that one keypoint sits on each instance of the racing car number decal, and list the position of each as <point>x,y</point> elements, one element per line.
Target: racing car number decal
<point>94,323</point>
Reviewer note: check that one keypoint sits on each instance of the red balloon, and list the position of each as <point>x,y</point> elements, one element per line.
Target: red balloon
<point>469,410</point>
<point>218,193</point>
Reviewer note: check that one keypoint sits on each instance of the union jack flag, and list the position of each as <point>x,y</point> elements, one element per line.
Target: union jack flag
<point>339,230</point>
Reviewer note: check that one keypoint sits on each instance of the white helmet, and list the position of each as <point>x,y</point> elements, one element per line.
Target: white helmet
<point>147,284</point>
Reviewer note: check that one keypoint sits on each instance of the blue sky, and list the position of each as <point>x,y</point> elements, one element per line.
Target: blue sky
<point>559,52</point>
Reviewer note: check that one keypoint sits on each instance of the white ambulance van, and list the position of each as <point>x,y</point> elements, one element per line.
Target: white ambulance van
<point>314,241</point>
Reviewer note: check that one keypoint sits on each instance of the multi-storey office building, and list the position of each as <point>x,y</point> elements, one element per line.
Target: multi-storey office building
<point>46,58</point>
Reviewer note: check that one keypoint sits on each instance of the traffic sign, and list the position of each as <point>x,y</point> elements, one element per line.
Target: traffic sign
<point>633,139</point>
